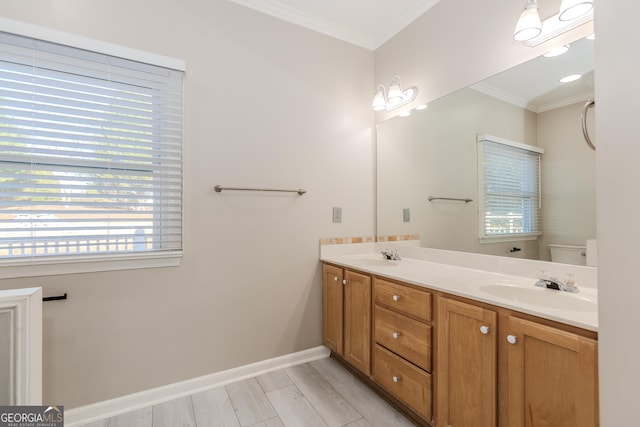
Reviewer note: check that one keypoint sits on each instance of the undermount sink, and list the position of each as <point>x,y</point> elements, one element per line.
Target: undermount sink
<point>540,296</point>
<point>371,261</point>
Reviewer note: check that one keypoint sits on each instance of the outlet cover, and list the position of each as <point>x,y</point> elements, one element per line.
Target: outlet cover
<point>406,215</point>
<point>337,214</point>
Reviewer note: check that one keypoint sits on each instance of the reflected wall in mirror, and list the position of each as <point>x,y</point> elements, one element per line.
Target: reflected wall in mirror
<point>433,152</point>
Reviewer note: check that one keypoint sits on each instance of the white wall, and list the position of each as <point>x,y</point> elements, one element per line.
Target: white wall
<point>267,104</point>
<point>617,139</point>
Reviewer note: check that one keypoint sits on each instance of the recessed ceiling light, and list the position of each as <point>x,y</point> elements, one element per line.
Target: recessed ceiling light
<point>557,51</point>
<point>570,78</point>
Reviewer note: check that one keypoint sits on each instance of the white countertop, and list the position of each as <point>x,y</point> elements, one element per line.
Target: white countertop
<point>513,291</point>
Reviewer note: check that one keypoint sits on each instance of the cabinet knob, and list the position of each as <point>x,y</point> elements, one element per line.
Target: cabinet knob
<point>512,339</point>
<point>335,278</point>
<point>396,335</point>
<point>396,378</point>
<point>396,297</point>
<point>484,330</point>
<point>344,281</point>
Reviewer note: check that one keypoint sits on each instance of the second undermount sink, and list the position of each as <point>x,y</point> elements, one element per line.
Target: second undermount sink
<point>540,297</point>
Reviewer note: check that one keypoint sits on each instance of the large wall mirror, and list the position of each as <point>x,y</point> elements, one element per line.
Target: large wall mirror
<point>433,152</point>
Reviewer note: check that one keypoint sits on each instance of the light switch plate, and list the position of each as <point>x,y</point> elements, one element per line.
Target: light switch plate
<point>337,214</point>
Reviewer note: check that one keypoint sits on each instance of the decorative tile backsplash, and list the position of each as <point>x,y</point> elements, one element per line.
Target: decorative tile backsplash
<point>367,239</point>
<point>398,238</point>
<point>346,240</point>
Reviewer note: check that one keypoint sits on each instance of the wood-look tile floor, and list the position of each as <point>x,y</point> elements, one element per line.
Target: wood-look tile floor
<point>319,393</point>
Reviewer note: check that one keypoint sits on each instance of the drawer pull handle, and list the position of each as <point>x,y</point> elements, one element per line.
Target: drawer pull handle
<point>396,379</point>
<point>484,330</point>
<point>396,335</point>
<point>512,339</point>
<point>396,297</point>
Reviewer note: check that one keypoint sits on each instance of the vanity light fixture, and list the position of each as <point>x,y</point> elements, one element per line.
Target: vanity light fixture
<point>532,32</point>
<point>395,98</point>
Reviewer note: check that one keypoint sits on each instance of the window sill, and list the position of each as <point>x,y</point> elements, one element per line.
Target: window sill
<point>89,264</point>
<point>503,238</point>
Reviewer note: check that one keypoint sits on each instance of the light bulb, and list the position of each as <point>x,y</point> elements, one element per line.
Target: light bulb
<point>529,24</point>
<point>395,93</point>
<point>379,103</point>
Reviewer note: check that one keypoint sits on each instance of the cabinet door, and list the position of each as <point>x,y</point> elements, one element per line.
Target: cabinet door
<point>357,320</point>
<point>466,365</point>
<point>552,377</point>
<point>332,307</point>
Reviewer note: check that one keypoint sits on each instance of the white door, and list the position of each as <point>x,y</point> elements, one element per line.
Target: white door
<point>21,346</point>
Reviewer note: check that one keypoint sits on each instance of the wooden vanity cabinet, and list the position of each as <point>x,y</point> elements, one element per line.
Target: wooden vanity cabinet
<point>346,314</point>
<point>542,375</point>
<point>491,367</point>
<point>402,344</point>
<point>467,365</point>
<point>551,375</point>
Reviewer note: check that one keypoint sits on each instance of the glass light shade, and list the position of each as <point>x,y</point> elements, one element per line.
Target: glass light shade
<point>572,9</point>
<point>379,103</point>
<point>395,93</point>
<point>529,24</point>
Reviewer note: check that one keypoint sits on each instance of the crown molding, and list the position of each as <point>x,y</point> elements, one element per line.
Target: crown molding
<point>402,22</point>
<point>523,103</point>
<point>315,23</point>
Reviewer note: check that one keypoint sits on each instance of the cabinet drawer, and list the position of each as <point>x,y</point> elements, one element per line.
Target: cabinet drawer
<point>404,336</point>
<point>408,383</point>
<point>402,298</point>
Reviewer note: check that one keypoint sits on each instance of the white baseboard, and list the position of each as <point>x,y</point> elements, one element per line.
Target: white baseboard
<point>121,405</point>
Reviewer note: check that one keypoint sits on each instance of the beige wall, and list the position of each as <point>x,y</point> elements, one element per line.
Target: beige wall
<point>617,156</point>
<point>568,178</point>
<point>434,152</point>
<point>267,104</point>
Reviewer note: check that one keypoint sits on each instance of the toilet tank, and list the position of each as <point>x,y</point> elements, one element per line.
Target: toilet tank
<point>568,254</point>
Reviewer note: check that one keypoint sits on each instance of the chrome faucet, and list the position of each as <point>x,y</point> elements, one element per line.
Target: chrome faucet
<point>566,285</point>
<point>391,255</point>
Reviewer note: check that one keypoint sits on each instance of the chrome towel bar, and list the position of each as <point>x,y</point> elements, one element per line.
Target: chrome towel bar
<point>219,188</point>
<point>432,198</point>
<point>590,103</point>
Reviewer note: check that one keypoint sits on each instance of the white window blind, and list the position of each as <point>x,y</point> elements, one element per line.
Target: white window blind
<point>509,188</point>
<point>90,153</point>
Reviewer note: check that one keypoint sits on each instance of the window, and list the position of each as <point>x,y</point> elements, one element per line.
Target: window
<point>509,189</point>
<point>90,154</point>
